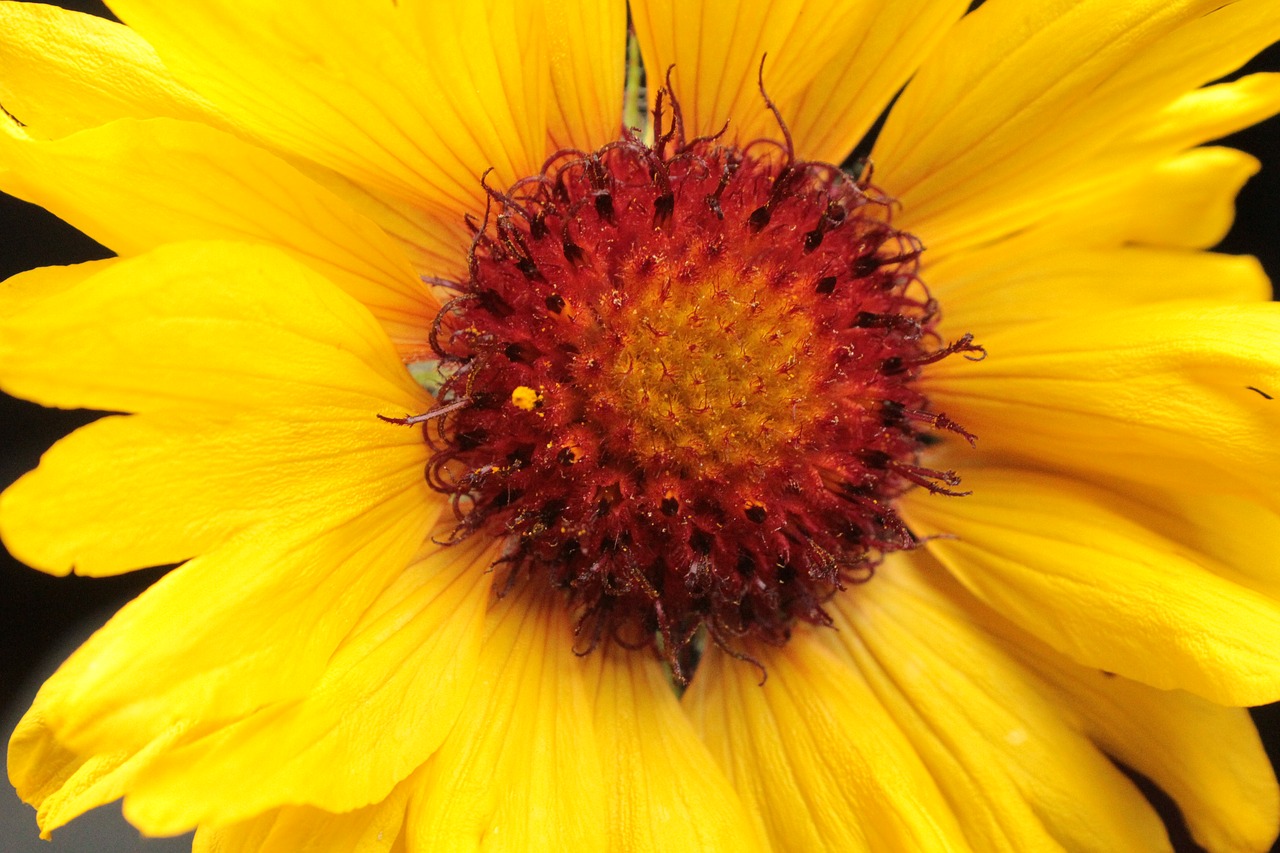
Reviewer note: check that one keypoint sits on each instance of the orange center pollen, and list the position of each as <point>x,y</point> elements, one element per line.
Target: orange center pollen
<point>717,374</point>
<point>682,381</point>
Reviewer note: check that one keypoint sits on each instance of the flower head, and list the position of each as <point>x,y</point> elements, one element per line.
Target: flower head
<point>681,377</point>
<point>750,502</point>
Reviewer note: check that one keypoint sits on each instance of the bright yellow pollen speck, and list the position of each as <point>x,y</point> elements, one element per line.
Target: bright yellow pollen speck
<point>525,398</point>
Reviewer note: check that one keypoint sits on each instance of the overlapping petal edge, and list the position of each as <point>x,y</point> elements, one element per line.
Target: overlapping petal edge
<point>329,679</point>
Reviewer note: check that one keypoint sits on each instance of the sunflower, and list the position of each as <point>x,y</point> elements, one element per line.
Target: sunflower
<point>556,463</point>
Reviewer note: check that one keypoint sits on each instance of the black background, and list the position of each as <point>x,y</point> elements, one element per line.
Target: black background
<point>39,613</point>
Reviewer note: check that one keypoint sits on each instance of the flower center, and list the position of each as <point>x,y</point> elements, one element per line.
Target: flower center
<point>681,378</point>
<point>715,371</point>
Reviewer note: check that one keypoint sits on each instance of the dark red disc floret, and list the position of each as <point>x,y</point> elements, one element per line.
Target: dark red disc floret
<point>682,380</point>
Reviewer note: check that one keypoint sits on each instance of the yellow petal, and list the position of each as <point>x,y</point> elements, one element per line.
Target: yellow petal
<point>1207,757</point>
<point>44,54</point>
<point>1014,283</point>
<point>1172,397</point>
<point>305,829</point>
<point>31,287</point>
<point>388,696</point>
<point>1234,534</point>
<point>250,623</point>
<point>1019,101</point>
<point>587,44</point>
<point>1184,202</point>
<point>522,768</point>
<point>63,71</point>
<point>62,783</point>
<point>1180,201</point>
<point>1006,756</point>
<point>815,755</point>
<point>134,185</point>
<point>1064,561</point>
<point>1147,188</point>
<point>412,98</point>
<point>247,837</point>
<point>1212,112</point>
<point>102,500</point>
<point>435,246</point>
<point>716,49</point>
<point>662,782</point>
<point>151,333</point>
<point>845,97</point>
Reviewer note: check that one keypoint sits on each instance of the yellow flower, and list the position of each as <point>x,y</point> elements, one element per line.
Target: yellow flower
<point>295,196</point>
